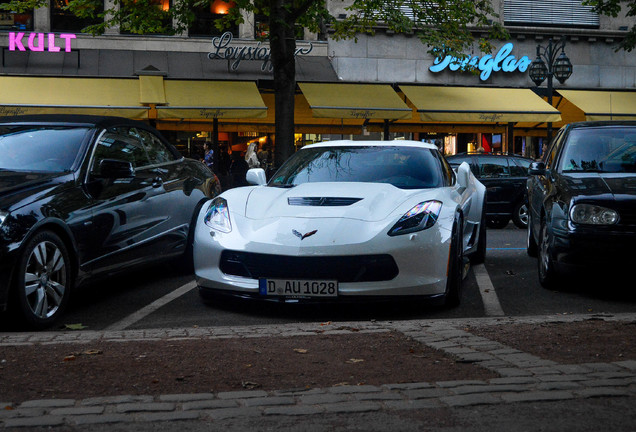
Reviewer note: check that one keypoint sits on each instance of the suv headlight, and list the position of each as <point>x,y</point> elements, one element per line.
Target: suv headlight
<point>590,214</point>
<point>218,216</point>
<point>422,216</point>
<point>3,216</point>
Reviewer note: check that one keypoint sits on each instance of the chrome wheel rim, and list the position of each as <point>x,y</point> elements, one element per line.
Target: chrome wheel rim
<point>45,279</point>
<point>523,214</point>
<point>544,253</point>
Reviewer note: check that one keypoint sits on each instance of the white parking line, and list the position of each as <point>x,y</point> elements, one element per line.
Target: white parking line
<point>144,312</point>
<point>487,291</point>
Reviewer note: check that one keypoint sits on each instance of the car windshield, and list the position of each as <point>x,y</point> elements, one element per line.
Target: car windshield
<point>601,149</point>
<point>403,167</point>
<point>39,147</point>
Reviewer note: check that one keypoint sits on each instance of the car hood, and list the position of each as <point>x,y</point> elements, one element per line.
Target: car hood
<point>360,201</point>
<point>594,184</point>
<point>16,186</point>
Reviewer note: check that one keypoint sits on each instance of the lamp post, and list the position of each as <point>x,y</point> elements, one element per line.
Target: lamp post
<point>548,65</point>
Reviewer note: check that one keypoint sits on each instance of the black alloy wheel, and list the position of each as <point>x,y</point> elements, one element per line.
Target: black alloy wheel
<point>43,280</point>
<point>452,297</point>
<point>479,256</point>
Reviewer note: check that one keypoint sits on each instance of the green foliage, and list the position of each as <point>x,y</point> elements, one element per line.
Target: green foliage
<point>613,8</point>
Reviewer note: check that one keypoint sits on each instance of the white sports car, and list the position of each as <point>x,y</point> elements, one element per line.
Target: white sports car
<point>345,220</point>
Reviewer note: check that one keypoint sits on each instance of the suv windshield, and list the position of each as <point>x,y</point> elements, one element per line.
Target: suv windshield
<point>403,167</point>
<point>39,147</point>
<point>600,150</point>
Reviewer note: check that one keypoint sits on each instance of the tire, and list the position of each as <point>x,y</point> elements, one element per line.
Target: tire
<point>531,244</point>
<point>43,281</point>
<point>185,263</point>
<point>548,276</point>
<point>497,222</point>
<point>452,297</point>
<point>520,215</point>
<point>479,256</point>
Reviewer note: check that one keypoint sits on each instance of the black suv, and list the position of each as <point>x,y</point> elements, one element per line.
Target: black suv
<point>505,178</point>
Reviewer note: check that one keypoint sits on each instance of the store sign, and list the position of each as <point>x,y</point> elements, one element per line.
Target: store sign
<point>501,61</point>
<point>35,42</point>
<point>223,50</point>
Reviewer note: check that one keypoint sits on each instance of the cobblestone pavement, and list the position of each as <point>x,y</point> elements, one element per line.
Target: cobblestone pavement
<point>522,377</point>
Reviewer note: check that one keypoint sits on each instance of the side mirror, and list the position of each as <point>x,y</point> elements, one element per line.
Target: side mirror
<point>256,176</point>
<point>115,168</point>
<point>536,168</point>
<point>463,176</point>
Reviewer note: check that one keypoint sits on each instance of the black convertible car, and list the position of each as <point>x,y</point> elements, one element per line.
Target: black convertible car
<point>83,197</point>
<point>582,201</point>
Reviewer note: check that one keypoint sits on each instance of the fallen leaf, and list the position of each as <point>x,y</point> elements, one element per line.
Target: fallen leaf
<point>354,360</point>
<point>92,352</point>
<point>250,385</point>
<point>300,350</point>
<point>9,408</point>
<point>325,323</point>
<point>78,326</point>
<point>69,358</point>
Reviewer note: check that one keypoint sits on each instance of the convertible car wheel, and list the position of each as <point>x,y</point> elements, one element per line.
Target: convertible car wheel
<point>43,280</point>
<point>547,273</point>
<point>455,268</point>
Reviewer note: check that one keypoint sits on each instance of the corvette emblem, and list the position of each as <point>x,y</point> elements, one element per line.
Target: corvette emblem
<point>304,236</point>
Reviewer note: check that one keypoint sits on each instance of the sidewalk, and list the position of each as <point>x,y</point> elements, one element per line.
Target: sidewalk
<point>518,376</point>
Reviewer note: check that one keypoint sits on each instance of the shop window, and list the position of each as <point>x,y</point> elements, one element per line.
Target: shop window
<point>10,21</point>
<point>206,16</point>
<point>549,13</point>
<point>65,21</point>
<point>261,28</point>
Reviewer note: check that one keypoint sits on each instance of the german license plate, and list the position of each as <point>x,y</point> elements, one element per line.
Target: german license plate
<point>298,287</point>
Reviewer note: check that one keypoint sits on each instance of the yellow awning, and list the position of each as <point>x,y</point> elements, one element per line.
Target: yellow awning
<point>355,101</point>
<point>603,105</point>
<point>211,99</point>
<point>479,105</point>
<point>48,95</point>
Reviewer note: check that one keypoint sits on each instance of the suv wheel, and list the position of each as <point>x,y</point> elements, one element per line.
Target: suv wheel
<point>520,215</point>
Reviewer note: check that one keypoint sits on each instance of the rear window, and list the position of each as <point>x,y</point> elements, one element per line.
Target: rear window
<point>40,148</point>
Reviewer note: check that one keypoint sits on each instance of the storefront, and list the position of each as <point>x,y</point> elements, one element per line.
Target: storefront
<point>220,88</point>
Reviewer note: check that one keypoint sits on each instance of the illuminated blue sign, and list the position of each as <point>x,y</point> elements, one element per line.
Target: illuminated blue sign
<point>501,61</point>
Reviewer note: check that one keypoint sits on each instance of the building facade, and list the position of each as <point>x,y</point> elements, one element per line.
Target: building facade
<point>205,82</point>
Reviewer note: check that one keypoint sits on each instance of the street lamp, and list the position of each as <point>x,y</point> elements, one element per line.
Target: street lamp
<point>547,65</point>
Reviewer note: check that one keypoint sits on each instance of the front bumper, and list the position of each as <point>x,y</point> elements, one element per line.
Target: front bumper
<point>594,249</point>
<point>421,258</point>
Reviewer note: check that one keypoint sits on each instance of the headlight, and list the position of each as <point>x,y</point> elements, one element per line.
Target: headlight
<point>3,216</point>
<point>593,215</point>
<point>218,216</point>
<point>422,216</point>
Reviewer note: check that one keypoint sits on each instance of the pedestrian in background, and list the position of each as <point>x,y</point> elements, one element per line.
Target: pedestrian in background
<point>208,155</point>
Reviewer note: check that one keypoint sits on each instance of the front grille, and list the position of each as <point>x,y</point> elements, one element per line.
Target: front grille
<point>359,268</point>
<point>322,201</point>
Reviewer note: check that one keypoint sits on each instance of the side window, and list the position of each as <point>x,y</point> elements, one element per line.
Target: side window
<point>157,151</point>
<point>551,155</point>
<point>494,167</point>
<point>518,167</point>
<point>118,143</point>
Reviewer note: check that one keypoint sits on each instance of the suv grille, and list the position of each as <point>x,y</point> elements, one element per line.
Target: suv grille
<point>359,268</point>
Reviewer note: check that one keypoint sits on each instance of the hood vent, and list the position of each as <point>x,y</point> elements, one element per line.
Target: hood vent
<point>322,201</point>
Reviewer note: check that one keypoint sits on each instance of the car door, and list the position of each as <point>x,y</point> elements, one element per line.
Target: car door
<point>128,209</point>
<point>494,173</point>
<point>539,186</point>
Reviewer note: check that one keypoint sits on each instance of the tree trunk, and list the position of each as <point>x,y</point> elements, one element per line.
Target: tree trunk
<point>283,45</point>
